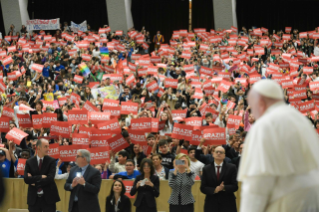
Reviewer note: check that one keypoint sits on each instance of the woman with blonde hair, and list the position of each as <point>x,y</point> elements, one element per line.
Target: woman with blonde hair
<point>181,180</point>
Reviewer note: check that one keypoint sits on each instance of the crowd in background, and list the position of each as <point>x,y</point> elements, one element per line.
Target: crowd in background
<point>199,79</point>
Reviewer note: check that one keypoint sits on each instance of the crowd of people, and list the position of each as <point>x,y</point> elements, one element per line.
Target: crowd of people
<point>181,109</point>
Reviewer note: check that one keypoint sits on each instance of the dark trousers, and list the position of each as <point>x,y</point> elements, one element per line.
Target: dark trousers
<point>41,206</point>
<point>181,208</point>
<point>75,207</point>
<point>144,208</point>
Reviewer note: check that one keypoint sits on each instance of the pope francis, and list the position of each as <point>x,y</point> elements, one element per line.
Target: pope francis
<point>280,163</point>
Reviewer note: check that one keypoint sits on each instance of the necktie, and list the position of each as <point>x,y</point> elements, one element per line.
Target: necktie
<point>40,166</point>
<point>218,172</point>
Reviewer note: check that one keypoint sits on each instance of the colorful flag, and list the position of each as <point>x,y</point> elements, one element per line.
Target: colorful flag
<point>104,51</point>
<point>84,69</point>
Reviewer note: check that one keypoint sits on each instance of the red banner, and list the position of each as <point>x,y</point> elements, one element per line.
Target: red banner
<point>24,120</point>
<point>128,187</point>
<point>78,79</point>
<point>54,151</point>
<point>68,153</point>
<point>7,60</point>
<point>314,86</point>
<point>110,103</point>
<point>4,124</point>
<point>224,86</point>
<point>215,136</point>
<point>60,128</point>
<point>179,113</point>
<point>142,124</point>
<point>137,136</point>
<point>16,135</point>
<point>195,122</point>
<point>99,141</point>
<point>114,111</point>
<point>306,106</point>
<point>48,118</point>
<point>21,166</point>
<point>112,125</point>
<point>118,143</point>
<point>129,107</point>
<point>37,121</point>
<point>231,129</point>
<point>37,67</point>
<point>25,107</point>
<point>232,119</point>
<point>181,131</point>
<point>99,155</point>
<point>80,139</point>
<point>8,112</point>
<point>300,95</point>
<point>171,83</point>
<point>99,117</point>
<point>78,116</point>
<point>153,86</point>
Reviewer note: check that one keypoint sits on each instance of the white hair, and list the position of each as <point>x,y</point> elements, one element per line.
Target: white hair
<point>86,154</point>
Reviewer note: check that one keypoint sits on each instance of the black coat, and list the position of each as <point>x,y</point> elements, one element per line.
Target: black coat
<point>88,194</point>
<point>223,201</point>
<point>2,189</point>
<point>123,206</point>
<point>236,161</point>
<point>146,192</point>
<point>50,190</point>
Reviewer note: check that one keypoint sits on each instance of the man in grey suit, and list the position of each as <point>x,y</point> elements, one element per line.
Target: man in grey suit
<point>84,182</point>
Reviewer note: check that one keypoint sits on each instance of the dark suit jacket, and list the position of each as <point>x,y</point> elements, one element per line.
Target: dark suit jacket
<point>236,161</point>
<point>88,194</point>
<point>123,206</point>
<point>223,201</point>
<point>230,152</point>
<point>50,190</point>
<point>146,192</point>
<point>2,189</point>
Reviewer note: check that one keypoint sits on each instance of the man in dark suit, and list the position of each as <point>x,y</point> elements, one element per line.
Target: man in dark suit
<point>2,189</point>
<point>39,174</point>
<point>84,182</point>
<point>219,184</point>
<point>236,160</point>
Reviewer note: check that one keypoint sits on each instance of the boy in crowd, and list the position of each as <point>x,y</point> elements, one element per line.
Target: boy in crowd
<point>116,167</point>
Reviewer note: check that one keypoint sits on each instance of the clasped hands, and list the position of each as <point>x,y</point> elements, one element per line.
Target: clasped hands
<point>78,180</point>
<point>220,187</point>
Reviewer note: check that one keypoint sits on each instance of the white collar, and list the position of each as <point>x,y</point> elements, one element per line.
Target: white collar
<point>119,200</point>
<point>38,158</point>
<point>219,164</point>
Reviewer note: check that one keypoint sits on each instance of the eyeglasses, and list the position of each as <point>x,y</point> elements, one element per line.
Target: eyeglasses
<point>79,156</point>
<point>219,152</point>
<point>146,167</point>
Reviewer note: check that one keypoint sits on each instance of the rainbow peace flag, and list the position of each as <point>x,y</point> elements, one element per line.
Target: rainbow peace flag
<point>104,51</point>
<point>84,69</point>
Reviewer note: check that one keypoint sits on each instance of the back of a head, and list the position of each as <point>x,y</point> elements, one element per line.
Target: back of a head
<point>269,88</point>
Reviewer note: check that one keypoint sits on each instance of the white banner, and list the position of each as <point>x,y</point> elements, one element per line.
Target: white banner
<point>38,24</point>
<point>76,27</point>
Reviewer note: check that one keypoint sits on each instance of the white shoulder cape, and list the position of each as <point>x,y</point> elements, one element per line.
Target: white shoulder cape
<point>281,143</point>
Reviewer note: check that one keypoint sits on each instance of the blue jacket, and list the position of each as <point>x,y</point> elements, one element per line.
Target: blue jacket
<point>45,71</point>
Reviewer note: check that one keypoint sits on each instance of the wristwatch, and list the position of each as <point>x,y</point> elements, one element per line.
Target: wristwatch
<point>84,184</point>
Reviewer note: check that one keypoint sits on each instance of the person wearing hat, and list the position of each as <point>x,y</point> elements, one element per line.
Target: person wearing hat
<point>5,162</point>
<point>279,167</point>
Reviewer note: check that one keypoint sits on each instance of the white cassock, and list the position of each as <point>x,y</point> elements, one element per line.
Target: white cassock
<point>279,167</point>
